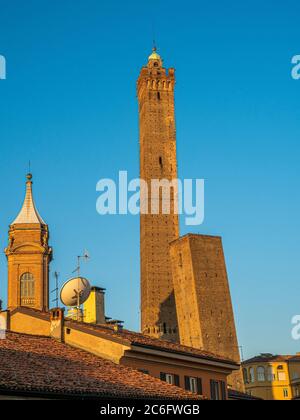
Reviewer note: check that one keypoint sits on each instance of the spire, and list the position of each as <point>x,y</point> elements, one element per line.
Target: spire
<point>29,213</point>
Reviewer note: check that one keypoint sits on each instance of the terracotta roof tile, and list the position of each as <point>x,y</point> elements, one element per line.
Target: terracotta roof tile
<point>41,364</point>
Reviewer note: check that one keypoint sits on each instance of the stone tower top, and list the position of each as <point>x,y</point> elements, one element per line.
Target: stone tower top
<point>154,60</point>
<point>29,213</point>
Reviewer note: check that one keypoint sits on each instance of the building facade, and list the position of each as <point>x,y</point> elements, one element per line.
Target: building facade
<point>28,255</point>
<point>155,90</point>
<point>273,377</point>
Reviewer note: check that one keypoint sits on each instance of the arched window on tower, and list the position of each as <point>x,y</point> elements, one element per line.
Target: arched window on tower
<point>27,289</point>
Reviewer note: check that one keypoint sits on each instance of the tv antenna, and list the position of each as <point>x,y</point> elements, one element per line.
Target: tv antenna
<point>241,348</point>
<point>56,276</point>
<point>85,257</point>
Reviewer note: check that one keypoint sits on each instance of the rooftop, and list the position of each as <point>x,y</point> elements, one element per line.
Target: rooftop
<point>138,339</point>
<point>41,365</point>
<point>270,358</point>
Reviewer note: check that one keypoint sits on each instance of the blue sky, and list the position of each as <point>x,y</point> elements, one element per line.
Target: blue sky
<point>69,105</point>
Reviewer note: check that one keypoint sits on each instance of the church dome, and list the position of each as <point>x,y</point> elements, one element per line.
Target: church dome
<point>154,55</point>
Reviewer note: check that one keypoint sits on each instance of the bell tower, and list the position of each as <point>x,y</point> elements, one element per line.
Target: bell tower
<point>28,255</point>
<point>155,90</point>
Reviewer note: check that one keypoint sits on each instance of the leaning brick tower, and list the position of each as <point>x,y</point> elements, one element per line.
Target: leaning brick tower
<point>155,90</point>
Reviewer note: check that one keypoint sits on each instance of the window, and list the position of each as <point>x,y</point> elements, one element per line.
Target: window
<point>281,376</point>
<point>218,390</point>
<point>193,384</point>
<point>170,378</point>
<point>144,371</point>
<point>245,375</point>
<point>27,289</point>
<point>251,375</point>
<point>180,260</point>
<point>285,393</point>
<point>261,377</point>
<point>270,374</point>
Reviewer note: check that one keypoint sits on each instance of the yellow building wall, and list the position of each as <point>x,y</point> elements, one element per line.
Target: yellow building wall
<point>270,390</point>
<point>26,324</point>
<point>94,344</point>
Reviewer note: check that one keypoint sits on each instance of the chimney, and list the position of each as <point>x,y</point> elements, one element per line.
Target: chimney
<point>118,327</point>
<point>57,318</point>
<point>94,307</point>
<point>116,324</point>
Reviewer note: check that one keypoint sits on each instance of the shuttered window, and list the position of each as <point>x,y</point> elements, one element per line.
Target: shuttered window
<point>214,390</point>
<point>223,390</point>
<point>163,376</point>
<point>176,380</point>
<point>27,286</point>
<point>193,384</point>
<point>170,378</point>
<point>218,390</point>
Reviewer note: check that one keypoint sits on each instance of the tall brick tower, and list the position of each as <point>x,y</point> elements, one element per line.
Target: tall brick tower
<point>155,90</point>
<point>203,300</point>
<point>28,255</point>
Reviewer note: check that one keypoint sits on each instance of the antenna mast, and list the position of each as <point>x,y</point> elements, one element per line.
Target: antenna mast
<point>84,257</point>
<point>56,276</point>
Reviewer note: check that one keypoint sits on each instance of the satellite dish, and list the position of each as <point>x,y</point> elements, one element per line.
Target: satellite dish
<point>75,291</point>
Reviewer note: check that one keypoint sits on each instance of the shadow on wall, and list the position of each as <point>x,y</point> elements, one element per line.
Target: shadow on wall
<point>167,321</point>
